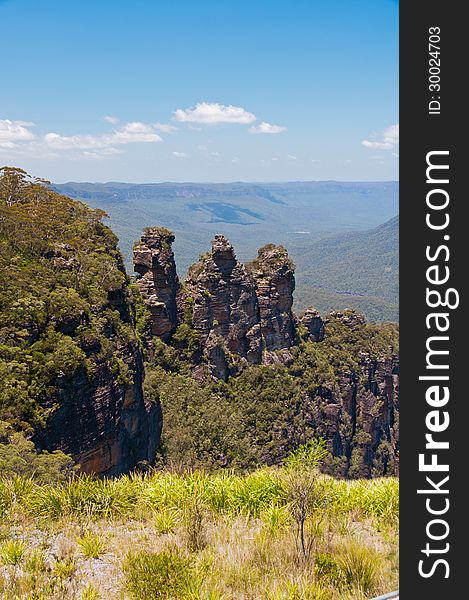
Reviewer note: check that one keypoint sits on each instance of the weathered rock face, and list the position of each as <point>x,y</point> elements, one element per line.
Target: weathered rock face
<point>359,418</point>
<point>159,283</point>
<point>313,323</point>
<point>103,423</point>
<point>273,273</point>
<point>225,308</point>
<point>377,407</point>
<point>103,420</point>
<point>241,314</point>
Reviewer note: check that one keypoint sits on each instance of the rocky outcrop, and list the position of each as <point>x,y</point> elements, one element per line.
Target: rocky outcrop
<point>243,315</point>
<point>312,321</point>
<point>225,309</point>
<point>358,416</point>
<point>349,317</point>
<point>159,284</point>
<point>376,441</point>
<point>273,273</point>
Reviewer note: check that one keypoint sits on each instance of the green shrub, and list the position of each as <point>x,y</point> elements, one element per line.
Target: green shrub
<point>91,545</point>
<point>90,593</point>
<point>194,522</point>
<point>326,567</point>
<point>35,563</point>
<point>275,518</point>
<point>166,521</point>
<point>164,575</point>
<point>18,457</point>
<point>64,568</point>
<point>307,456</point>
<point>12,552</point>
<point>359,566</point>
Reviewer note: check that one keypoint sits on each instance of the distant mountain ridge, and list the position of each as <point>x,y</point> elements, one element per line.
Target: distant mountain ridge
<point>358,269</point>
<point>295,214</point>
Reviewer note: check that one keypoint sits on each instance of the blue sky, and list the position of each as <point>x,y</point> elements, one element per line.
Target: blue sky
<point>200,91</point>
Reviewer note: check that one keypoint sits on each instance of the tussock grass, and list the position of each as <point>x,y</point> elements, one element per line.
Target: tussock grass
<point>91,545</point>
<point>164,575</point>
<point>12,552</point>
<point>250,495</point>
<point>229,536</point>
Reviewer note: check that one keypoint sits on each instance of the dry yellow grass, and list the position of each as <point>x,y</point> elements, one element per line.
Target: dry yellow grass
<point>235,536</point>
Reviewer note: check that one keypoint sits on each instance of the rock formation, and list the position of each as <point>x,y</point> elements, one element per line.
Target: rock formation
<point>359,418</point>
<point>159,283</point>
<point>102,422</point>
<point>349,317</point>
<point>225,308</point>
<point>273,273</point>
<point>313,323</point>
<point>243,315</point>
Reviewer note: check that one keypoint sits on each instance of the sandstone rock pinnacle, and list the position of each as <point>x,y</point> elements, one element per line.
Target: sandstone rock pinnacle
<point>159,284</point>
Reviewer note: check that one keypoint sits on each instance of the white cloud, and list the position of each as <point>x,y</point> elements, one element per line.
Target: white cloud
<point>211,113</point>
<point>128,133</point>
<point>291,157</point>
<point>377,145</point>
<point>112,120</point>
<point>389,139</point>
<point>18,139</point>
<point>274,158</point>
<point>14,132</point>
<point>267,128</point>
<point>214,154</point>
<point>235,159</point>
<point>136,132</point>
<point>99,154</point>
<point>165,127</point>
<point>202,147</point>
<point>179,154</point>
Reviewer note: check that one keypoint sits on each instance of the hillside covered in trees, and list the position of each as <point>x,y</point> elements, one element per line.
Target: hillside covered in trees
<point>70,363</point>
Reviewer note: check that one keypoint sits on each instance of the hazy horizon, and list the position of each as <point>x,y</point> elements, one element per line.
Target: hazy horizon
<point>228,182</point>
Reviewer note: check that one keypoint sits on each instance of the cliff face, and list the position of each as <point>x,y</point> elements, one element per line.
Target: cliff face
<point>359,418</point>
<point>359,415</point>
<point>102,419</point>
<point>241,313</point>
<point>103,424</point>
<point>312,321</point>
<point>70,364</point>
<point>159,283</point>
